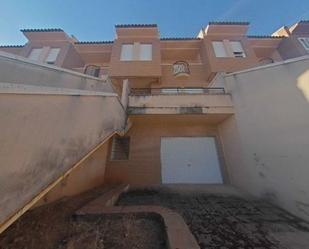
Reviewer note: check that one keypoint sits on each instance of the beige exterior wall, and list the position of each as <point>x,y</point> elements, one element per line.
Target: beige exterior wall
<point>86,176</point>
<point>136,68</point>
<point>272,116</point>
<point>198,77</point>
<point>229,64</point>
<point>44,135</point>
<point>144,164</point>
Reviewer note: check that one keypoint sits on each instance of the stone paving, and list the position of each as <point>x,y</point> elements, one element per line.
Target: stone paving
<point>224,220</point>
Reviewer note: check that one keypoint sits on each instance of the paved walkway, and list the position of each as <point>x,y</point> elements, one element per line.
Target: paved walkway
<point>222,217</point>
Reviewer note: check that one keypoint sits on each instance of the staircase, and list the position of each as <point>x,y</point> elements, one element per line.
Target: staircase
<point>51,118</point>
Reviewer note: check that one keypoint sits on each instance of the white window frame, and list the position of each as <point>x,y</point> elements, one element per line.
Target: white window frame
<point>52,55</point>
<point>127,52</point>
<point>136,52</point>
<point>35,54</point>
<point>304,41</point>
<point>145,52</point>
<point>219,49</point>
<point>237,49</point>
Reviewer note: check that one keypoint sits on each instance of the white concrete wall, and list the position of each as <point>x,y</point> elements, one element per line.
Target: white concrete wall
<point>272,116</point>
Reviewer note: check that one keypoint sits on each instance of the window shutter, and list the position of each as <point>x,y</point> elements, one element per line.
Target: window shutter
<point>120,148</point>
<point>237,49</point>
<point>52,55</point>
<point>126,52</point>
<point>145,52</point>
<point>219,49</point>
<point>305,42</point>
<point>35,54</point>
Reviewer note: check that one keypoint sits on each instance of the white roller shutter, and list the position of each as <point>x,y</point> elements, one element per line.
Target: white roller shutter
<point>219,49</point>
<point>52,55</point>
<point>126,52</point>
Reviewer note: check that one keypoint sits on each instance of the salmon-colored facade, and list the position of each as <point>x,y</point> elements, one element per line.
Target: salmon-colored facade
<point>170,86</point>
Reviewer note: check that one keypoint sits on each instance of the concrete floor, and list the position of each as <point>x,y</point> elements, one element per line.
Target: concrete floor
<point>221,216</point>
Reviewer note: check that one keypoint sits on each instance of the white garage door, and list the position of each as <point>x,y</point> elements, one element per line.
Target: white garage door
<point>190,160</point>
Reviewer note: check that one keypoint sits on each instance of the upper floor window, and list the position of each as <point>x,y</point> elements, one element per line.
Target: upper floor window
<point>126,52</point>
<point>52,55</point>
<point>237,49</point>
<point>35,54</point>
<point>305,42</point>
<point>228,49</point>
<point>136,52</point>
<point>45,54</point>
<point>93,70</point>
<point>219,49</point>
<point>145,52</point>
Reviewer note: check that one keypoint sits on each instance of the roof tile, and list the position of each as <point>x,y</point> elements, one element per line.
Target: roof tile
<point>42,30</point>
<point>136,25</point>
<point>228,23</point>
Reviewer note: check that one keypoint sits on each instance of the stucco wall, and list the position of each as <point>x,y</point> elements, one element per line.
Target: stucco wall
<point>42,136</point>
<point>16,69</point>
<point>86,176</point>
<point>144,164</point>
<point>272,115</point>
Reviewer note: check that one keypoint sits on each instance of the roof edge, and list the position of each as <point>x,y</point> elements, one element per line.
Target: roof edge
<point>265,36</point>
<point>179,38</point>
<point>93,42</point>
<point>228,23</point>
<point>136,26</point>
<point>42,30</point>
<point>12,46</point>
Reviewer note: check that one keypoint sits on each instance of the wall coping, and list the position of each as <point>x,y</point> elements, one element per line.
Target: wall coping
<point>12,88</point>
<point>276,64</point>
<point>21,59</point>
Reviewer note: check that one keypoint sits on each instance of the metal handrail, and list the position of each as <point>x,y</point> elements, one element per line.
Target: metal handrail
<point>176,91</point>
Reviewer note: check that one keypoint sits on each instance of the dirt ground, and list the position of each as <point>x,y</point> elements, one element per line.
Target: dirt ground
<point>226,220</point>
<point>55,227</point>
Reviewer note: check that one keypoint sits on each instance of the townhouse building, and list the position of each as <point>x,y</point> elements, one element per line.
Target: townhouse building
<point>186,102</point>
<point>173,127</point>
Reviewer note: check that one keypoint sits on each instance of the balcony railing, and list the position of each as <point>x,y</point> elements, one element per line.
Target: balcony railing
<point>176,91</point>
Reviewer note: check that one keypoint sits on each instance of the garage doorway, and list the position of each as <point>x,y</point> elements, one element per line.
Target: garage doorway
<point>190,160</point>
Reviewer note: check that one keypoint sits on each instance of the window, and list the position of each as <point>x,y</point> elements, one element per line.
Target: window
<point>52,55</point>
<point>237,49</point>
<point>145,53</point>
<point>228,49</point>
<point>126,52</point>
<point>305,42</point>
<point>219,49</point>
<point>136,51</point>
<point>120,148</point>
<point>35,54</point>
<point>93,70</point>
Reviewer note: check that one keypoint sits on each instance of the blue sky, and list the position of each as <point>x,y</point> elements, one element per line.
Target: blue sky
<point>95,19</point>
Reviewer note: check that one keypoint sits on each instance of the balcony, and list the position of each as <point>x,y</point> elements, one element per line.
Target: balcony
<point>179,101</point>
